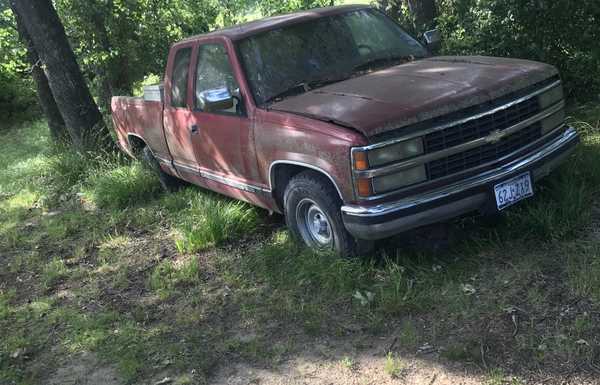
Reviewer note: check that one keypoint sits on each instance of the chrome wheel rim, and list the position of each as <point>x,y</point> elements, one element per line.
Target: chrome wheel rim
<point>313,224</point>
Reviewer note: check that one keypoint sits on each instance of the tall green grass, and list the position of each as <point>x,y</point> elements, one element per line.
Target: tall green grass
<point>122,186</point>
<point>209,220</point>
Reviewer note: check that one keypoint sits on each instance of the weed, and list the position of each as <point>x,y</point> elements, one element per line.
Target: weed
<point>583,266</point>
<point>53,272</point>
<point>169,275</point>
<point>349,363</point>
<point>211,220</point>
<point>495,377</point>
<point>394,367</point>
<point>408,336</point>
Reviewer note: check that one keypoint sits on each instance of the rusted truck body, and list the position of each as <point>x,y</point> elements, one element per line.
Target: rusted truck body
<point>340,120</point>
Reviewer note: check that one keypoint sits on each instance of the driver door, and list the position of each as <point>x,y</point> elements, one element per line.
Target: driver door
<point>222,134</point>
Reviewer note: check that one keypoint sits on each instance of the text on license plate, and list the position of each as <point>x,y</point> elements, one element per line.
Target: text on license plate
<point>513,190</point>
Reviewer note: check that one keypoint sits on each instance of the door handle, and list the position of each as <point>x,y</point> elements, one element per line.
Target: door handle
<point>194,129</point>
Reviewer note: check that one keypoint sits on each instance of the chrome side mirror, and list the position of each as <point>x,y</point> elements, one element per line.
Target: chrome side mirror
<point>216,99</point>
<point>433,39</point>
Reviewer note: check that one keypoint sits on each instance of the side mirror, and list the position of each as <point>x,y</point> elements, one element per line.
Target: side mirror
<point>433,39</point>
<point>216,99</point>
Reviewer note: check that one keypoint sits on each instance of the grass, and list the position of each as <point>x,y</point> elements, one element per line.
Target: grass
<point>210,221</point>
<point>394,367</point>
<point>169,275</point>
<point>123,186</point>
<point>94,258</point>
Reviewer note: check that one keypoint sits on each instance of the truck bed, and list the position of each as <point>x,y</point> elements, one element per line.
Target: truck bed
<point>140,118</point>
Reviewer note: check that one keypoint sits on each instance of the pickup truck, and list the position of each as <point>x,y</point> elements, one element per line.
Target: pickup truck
<point>340,120</point>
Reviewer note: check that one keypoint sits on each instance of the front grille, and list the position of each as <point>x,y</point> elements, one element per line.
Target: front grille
<point>483,154</point>
<point>481,127</point>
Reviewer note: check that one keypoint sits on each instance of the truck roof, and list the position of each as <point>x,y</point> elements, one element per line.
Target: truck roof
<point>244,30</point>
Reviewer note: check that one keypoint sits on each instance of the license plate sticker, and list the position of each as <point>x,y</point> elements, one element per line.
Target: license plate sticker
<point>514,190</point>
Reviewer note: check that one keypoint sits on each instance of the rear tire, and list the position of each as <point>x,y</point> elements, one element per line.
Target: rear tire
<point>313,215</point>
<point>168,182</point>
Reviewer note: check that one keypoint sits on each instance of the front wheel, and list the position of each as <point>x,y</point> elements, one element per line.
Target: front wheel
<point>313,215</point>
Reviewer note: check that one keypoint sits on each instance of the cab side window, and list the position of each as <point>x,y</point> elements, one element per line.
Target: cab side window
<point>214,78</point>
<point>179,77</point>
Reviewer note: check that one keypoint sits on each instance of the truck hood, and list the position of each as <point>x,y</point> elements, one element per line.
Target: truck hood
<point>417,91</point>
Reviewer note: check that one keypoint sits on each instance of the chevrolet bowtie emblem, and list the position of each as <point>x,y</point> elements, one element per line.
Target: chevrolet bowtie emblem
<point>494,137</point>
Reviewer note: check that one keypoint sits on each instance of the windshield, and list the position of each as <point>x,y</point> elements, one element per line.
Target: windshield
<point>325,50</point>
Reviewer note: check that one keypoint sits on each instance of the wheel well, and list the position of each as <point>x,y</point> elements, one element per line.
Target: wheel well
<point>136,144</point>
<point>282,173</point>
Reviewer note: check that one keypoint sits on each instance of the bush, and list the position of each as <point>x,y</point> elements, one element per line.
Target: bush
<point>17,99</point>
<point>560,32</point>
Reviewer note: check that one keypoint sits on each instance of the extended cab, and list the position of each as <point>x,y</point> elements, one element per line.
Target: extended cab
<point>344,123</point>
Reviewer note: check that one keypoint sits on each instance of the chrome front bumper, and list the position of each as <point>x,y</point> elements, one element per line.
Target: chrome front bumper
<point>468,195</point>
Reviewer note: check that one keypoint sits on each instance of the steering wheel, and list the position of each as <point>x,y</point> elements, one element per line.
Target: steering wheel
<point>362,47</point>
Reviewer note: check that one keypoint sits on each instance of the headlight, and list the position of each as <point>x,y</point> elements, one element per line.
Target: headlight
<point>553,121</point>
<point>551,97</point>
<point>395,152</point>
<point>382,184</point>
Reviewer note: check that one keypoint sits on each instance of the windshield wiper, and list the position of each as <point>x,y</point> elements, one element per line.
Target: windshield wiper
<point>303,87</point>
<point>297,89</point>
<point>381,61</point>
<point>326,81</point>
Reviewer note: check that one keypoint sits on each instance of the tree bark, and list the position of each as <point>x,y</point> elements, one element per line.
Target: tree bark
<point>77,107</point>
<point>56,124</point>
<point>106,82</point>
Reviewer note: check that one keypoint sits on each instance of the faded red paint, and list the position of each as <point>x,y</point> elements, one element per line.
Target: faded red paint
<point>317,128</point>
<point>409,93</point>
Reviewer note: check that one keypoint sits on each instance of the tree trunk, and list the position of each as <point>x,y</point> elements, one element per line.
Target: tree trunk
<point>56,124</point>
<point>424,13</point>
<point>77,107</point>
<point>104,73</point>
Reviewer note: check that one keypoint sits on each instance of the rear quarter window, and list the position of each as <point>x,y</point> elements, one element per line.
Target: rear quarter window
<point>179,77</point>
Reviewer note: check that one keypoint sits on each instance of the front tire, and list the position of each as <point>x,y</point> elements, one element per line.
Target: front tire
<point>313,215</point>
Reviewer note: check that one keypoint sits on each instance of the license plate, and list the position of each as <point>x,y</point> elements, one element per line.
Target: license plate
<point>511,191</point>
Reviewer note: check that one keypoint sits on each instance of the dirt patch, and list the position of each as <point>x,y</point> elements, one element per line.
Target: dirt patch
<point>84,369</point>
<point>366,367</point>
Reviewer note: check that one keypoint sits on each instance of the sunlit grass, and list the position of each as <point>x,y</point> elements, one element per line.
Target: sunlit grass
<point>171,275</point>
<point>210,220</point>
<point>123,186</point>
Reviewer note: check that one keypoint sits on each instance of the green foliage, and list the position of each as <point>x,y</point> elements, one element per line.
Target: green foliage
<point>120,42</point>
<point>560,32</point>
<point>17,99</point>
<point>275,7</point>
<point>17,96</point>
<point>123,186</point>
<point>393,366</point>
<point>211,220</point>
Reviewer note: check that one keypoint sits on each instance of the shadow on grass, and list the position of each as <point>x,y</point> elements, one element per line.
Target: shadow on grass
<point>517,294</point>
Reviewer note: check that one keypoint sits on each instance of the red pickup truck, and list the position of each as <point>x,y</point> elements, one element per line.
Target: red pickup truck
<point>343,122</point>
